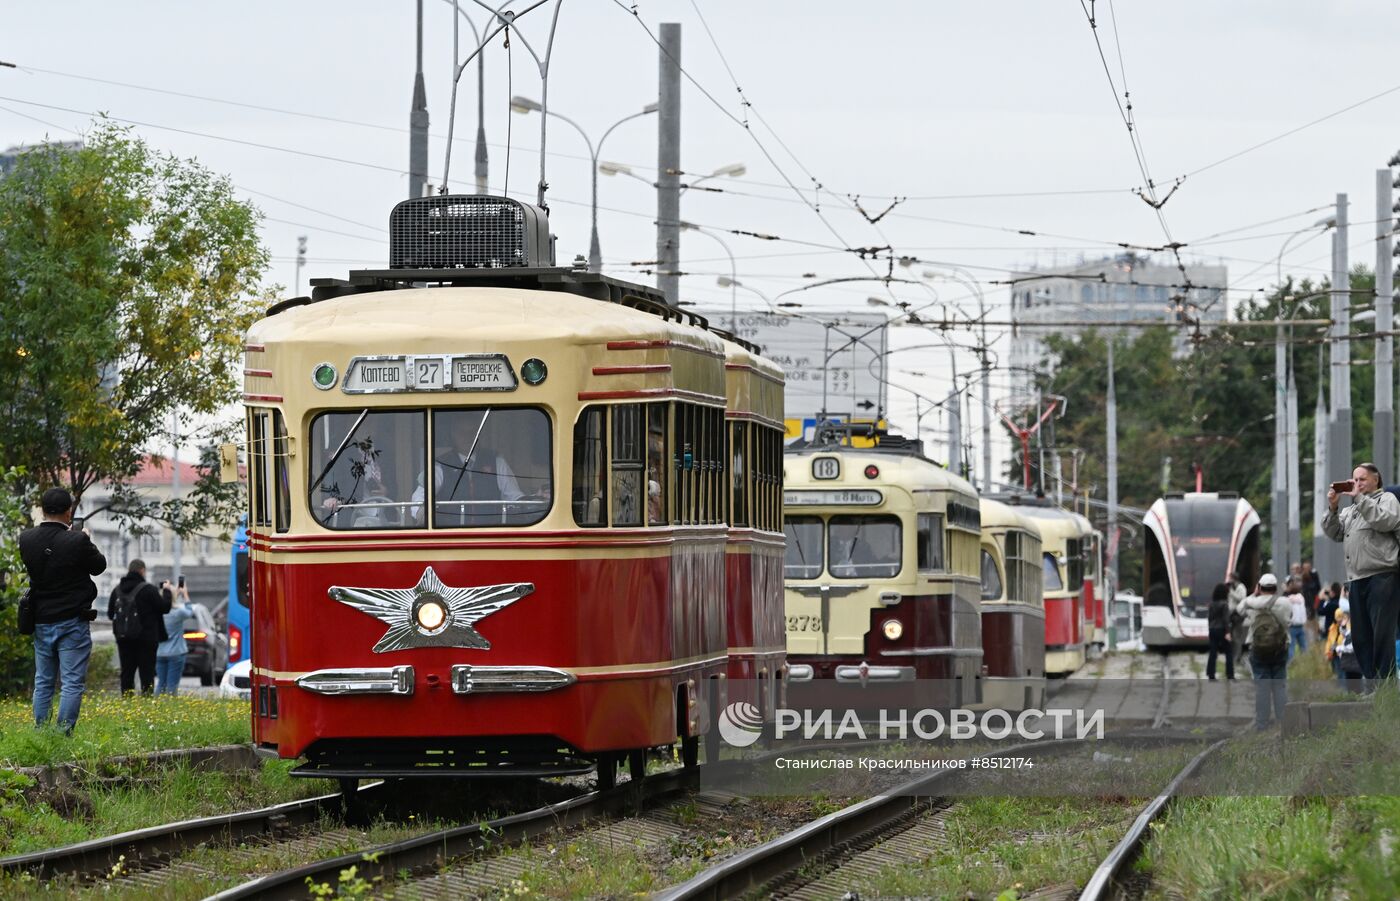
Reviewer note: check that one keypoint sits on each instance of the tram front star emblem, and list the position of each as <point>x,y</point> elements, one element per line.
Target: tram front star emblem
<point>431,615</point>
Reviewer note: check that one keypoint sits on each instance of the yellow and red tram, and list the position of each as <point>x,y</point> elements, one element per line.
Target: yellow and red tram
<point>488,503</point>
<point>881,568</point>
<point>1013,608</point>
<point>1069,555</point>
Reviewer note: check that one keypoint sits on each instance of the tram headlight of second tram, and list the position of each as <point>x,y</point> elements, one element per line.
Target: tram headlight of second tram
<point>893,629</point>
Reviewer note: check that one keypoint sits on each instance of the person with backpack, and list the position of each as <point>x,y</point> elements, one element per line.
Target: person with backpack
<point>1367,532</point>
<point>137,610</point>
<point>1218,621</point>
<point>1267,616</point>
<point>61,563</point>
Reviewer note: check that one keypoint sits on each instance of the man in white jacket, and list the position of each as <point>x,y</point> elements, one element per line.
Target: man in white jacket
<point>1268,650</point>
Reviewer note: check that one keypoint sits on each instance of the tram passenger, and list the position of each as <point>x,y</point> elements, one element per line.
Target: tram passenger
<point>1367,531</point>
<point>1218,619</point>
<point>471,478</point>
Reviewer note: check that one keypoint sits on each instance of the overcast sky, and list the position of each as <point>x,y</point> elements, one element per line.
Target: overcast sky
<point>920,100</point>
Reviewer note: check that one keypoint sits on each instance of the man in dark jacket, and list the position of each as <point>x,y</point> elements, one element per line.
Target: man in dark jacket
<point>138,650</point>
<point>61,564</point>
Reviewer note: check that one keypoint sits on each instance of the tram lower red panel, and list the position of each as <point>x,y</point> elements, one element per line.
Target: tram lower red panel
<point>1064,622</point>
<point>1013,642</point>
<point>633,630</point>
<point>754,617</point>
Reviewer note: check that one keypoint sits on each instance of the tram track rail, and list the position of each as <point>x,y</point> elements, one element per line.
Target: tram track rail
<point>908,818</point>
<point>1107,881</point>
<point>150,847</point>
<point>433,850</point>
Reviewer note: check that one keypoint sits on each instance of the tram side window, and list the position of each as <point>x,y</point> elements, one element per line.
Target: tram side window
<point>738,514</point>
<point>656,464</point>
<point>865,547</point>
<point>991,578</point>
<point>628,464</point>
<point>1051,568</point>
<point>1022,571</point>
<point>1074,563</point>
<point>591,468</point>
<point>803,557</point>
<point>930,540</point>
<point>364,465</point>
<point>257,469</point>
<point>282,496</point>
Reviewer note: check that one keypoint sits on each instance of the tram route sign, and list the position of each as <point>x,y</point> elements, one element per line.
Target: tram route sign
<point>394,373</point>
<point>857,344</point>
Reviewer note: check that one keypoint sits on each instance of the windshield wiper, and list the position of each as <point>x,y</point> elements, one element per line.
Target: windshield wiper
<point>330,464</point>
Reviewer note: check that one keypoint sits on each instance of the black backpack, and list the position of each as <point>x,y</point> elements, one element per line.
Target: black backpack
<point>1269,637</point>
<point>126,619</point>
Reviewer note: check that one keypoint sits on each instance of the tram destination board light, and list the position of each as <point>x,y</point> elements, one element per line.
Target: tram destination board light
<point>324,376</point>
<point>533,371</point>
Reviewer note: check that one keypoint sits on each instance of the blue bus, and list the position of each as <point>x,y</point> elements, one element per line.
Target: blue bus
<point>240,619</point>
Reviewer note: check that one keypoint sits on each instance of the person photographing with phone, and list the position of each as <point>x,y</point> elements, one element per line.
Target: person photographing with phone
<point>1367,532</point>
<point>61,562</point>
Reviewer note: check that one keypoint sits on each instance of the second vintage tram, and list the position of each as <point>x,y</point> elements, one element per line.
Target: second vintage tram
<point>881,567</point>
<point>1071,569</point>
<point>488,523</point>
<point>1013,608</point>
<point>1194,541</point>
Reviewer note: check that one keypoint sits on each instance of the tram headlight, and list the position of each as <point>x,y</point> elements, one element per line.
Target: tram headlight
<point>430,615</point>
<point>533,371</point>
<point>893,629</point>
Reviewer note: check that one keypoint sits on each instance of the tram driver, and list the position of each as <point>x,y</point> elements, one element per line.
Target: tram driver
<point>471,478</point>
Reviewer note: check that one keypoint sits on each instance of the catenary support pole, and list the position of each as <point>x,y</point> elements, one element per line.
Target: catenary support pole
<point>1295,500</point>
<point>1278,501</point>
<point>668,164</point>
<point>418,124</point>
<point>1339,450</point>
<point>1383,443</point>
<point>1320,545</point>
<point>1111,416</point>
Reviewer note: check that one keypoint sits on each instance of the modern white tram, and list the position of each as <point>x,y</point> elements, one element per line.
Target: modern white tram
<point>1194,541</point>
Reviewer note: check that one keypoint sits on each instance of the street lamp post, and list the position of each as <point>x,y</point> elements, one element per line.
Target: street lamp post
<point>1283,450</point>
<point>524,105</point>
<point>733,273</point>
<point>481,156</point>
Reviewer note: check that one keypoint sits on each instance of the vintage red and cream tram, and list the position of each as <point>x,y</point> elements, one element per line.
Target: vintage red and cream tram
<point>753,561</point>
<point>488,510</point>
<point>1013,608</point>
<point>881,567</point>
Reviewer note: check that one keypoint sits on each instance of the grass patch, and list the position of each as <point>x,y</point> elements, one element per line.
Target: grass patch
<point>1313,817</point>
<point>168,794</point>
<point>1311,665</point>
<point>112,725</point>
<point>1277,848</point>
<point>208,870</point>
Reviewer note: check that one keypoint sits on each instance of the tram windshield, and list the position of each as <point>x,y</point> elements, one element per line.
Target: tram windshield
<point>1201,534</point>
<point>865,547</point>
<point>491,467</point>
<point>804,547</point>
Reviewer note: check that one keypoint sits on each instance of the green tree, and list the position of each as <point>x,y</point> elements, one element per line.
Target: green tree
<point>1209,403</point>
<point>127,279</point>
